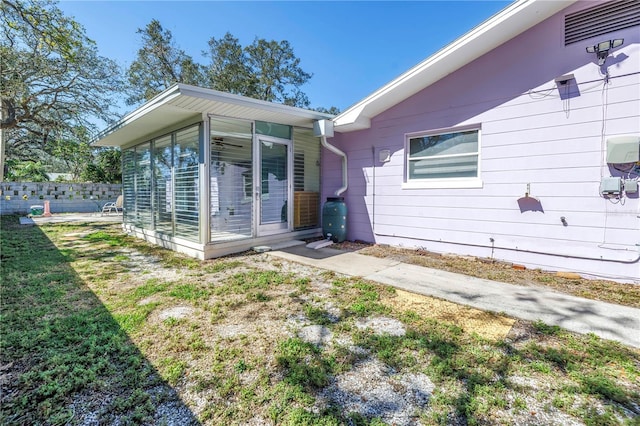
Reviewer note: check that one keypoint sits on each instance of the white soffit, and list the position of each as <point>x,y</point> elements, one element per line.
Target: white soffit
<point>500,28</point>
<point>183,102</point>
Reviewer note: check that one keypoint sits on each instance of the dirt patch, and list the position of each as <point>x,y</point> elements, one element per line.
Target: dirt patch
<point>382,325</point>
<point>319,335</point>
<point>177,312</point>
<point>487,325</point>
<point>606,291</point>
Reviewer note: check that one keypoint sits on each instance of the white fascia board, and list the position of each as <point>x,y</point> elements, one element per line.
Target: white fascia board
<point>177,92</point>
<point>500,28</point>
<point>155,102</point>
<point>229,98</point>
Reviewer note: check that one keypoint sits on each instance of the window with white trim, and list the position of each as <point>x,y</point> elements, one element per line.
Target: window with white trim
<point>443,156</point>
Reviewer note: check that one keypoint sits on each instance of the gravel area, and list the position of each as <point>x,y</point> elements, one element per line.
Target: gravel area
<point>372,389</point>
<point>214,347</point>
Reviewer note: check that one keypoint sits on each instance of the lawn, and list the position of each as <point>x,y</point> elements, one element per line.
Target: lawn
<point>98,327</point>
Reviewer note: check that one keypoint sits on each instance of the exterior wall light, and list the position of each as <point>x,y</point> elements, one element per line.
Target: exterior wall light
<point>602,49</point>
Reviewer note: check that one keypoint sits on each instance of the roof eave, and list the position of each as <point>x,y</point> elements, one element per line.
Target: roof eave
<point>503,26</point>
<point>121,133</point>
<point>158,100</point>
<point>239,100</point>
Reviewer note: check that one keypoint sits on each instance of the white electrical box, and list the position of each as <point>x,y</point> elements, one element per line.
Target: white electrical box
<point>623,149</point>
<point>630,186</point>
<point>323,128</point>
<point>610,186</point>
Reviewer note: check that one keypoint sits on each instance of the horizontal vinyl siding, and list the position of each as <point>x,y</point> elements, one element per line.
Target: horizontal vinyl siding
<point>533,138</point>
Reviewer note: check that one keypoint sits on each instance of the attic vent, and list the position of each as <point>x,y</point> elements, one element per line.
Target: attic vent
<point>600,20</point>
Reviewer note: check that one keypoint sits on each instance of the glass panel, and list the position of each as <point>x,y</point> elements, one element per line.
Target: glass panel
<point>128,184</point>
<point>186,162</point>
<point>163,196</point>
<point>143,217</point>
<point>281,131</point>
<point>231,175</point>
<point>226,128</point>
<point>445,144</point>
<point>440,168</point>
<point>306,175</point>
<point>275,182</point>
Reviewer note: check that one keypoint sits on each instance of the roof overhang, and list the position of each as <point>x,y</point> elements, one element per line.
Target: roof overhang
<point>500,28</point>
<point>182,102</point>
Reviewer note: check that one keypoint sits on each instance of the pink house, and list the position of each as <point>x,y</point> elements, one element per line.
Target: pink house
<point>519,141</point>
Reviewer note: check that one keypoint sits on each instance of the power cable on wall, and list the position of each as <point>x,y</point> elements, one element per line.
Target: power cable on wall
<point>549,91</point>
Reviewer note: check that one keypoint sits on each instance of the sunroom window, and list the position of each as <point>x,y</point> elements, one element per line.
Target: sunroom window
<point>443,157</point>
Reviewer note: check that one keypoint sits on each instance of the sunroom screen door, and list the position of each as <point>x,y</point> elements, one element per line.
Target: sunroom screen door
<point>274,190</point>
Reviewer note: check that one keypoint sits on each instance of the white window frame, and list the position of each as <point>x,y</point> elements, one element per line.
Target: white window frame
<point>442,183</point>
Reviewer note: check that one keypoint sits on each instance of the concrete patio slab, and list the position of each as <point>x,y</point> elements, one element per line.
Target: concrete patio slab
<point>347,263</point>
<point>71,217</point>
<point>26,221</point>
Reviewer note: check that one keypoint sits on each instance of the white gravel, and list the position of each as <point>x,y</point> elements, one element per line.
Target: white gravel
<point>382,325</point>
<point>177,312</point>
<point>319,335</point>
<point>374,390</point>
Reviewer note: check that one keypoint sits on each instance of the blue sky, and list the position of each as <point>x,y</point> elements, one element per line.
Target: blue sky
<point>352,48</point>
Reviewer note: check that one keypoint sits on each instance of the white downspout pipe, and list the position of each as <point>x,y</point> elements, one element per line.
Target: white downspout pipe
<point>344,164</point>
<point>324,128</point>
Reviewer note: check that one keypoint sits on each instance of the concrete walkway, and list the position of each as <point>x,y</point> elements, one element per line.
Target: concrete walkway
<point>577,314</point>
<point>71,217</point>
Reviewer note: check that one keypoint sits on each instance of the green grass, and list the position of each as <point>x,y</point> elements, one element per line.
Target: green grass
<point>58,337</point>
<point>546,329</point>
<point>172,369</point>
<point>189,291</point>
<point>80,323</point>
<point>220,266</point>
<point>151,287</point>
<point>303,363</point>
<point>317,315</point>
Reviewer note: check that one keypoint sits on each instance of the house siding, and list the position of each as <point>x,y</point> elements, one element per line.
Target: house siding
<point>532,135</point>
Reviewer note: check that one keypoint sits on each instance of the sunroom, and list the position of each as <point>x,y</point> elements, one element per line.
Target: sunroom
<point>209,173</point>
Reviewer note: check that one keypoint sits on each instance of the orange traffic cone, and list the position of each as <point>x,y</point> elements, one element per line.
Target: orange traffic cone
<point>47,212</point>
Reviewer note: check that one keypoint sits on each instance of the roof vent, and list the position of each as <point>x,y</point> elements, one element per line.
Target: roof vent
<point>600,20</point>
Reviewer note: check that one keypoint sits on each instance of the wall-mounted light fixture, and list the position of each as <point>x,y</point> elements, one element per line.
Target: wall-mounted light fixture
<point>602,49</point>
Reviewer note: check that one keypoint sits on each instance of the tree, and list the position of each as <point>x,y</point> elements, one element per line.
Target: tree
<point>228,71</point>
<point>74,152</point>
<point>159,64</point>
<point>26,171</point>
<point>52,78</point>
<point>266,70</point>
<point>332,110</point>
<point>109,160</point>
<point>75,156</point>
<point>277,72</point>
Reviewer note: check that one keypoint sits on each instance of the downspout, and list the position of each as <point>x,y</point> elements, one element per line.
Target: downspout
<point>344,164</point>
<point>324,128</point>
